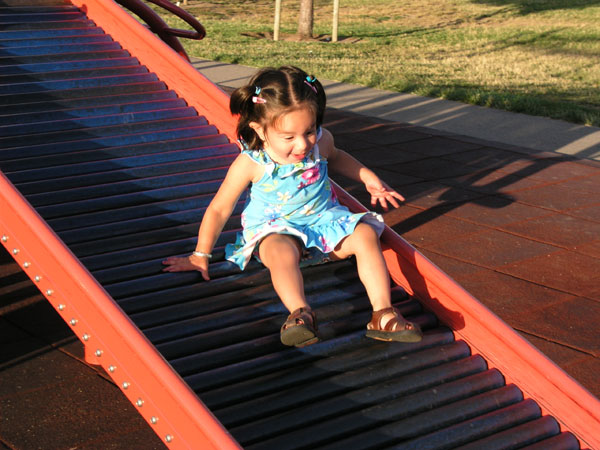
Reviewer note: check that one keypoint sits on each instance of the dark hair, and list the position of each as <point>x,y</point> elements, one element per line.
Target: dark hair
<point>279,91</point>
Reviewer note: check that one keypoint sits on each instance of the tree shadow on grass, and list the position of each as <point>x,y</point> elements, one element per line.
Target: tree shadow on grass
<point>525,7</point>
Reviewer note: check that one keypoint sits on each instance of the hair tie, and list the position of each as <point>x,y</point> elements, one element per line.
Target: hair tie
<point>243,144</point>
<point>256,98</point>
<point>309,81</point>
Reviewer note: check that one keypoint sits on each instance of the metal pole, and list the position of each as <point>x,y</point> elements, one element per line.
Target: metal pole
<point>277,20</point>
<point>336,14</point>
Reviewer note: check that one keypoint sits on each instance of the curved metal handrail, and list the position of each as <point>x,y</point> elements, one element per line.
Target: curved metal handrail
<point>160,27</point>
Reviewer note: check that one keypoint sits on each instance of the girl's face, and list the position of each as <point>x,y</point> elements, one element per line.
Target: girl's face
<point>292,136</point>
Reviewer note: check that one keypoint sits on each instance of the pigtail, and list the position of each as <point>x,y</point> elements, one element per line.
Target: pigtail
<point>316,86</point>
<point>241,103</point>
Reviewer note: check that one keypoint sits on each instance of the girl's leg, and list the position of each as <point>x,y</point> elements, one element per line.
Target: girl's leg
<point>372,271</point>
<point>280,253</point>
<point>387,323</point>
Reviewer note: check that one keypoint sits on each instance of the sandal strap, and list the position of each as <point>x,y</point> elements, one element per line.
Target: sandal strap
<point>301,316</point>
<point>395,323</point>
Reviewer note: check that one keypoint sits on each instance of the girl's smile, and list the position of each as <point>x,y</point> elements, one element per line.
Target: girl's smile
<point>299,157</point>
<point>291,138</point>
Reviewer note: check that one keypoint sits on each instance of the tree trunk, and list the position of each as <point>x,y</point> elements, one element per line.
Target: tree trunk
<point>305,21</point>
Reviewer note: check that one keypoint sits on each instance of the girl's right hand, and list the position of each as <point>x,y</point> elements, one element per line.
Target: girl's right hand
<point>186,264</point>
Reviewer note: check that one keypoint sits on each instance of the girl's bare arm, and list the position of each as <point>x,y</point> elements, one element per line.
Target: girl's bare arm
<point>343,163</point>
<point>242,171</point>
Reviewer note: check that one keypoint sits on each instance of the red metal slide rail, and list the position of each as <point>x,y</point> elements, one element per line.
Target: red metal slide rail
<point>111,340</point>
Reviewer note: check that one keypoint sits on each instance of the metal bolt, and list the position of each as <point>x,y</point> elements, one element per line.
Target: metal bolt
<point>98,353</point>
<point>73,322</point>
<point>153,419</point>
<point>86,337</point>
<point>49,292</point>
<point>139,402</point>
<point>4,238</point>
<point>61,307</point>
<point>37,278</point>
<point>15,251</point>
<point>168,438</point>
<point>125,385</point>
<point>111,368</point>
<point>26,264</point>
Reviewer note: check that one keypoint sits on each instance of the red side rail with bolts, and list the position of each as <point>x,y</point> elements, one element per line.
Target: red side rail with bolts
<point>111,340</point>
<point>540,379</point>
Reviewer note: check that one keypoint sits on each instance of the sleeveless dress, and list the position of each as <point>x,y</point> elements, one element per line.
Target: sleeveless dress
<point>295,199</point>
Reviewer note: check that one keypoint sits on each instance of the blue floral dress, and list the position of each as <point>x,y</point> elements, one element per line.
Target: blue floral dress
<point>295,199</point>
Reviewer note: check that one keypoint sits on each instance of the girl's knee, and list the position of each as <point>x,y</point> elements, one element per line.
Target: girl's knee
<point>365,234</point>
<point>364,237</point>
<point>280,250</point>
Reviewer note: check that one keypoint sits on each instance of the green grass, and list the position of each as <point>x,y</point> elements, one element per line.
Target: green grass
<point>537,57</point>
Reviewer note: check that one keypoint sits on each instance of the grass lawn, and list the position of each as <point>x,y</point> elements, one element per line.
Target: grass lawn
<point>539,57</point>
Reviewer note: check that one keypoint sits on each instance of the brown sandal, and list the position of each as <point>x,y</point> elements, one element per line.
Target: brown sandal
<point>300,328</point>
<point>394,328</point>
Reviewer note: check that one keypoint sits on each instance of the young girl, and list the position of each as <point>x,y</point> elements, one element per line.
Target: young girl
<point>291,212</point>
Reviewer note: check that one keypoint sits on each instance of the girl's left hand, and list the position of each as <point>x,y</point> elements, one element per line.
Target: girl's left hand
<point>187,263</point>
<point>381,193</point>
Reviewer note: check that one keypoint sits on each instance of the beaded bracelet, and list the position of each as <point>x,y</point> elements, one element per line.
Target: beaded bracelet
<point>207,255</point>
